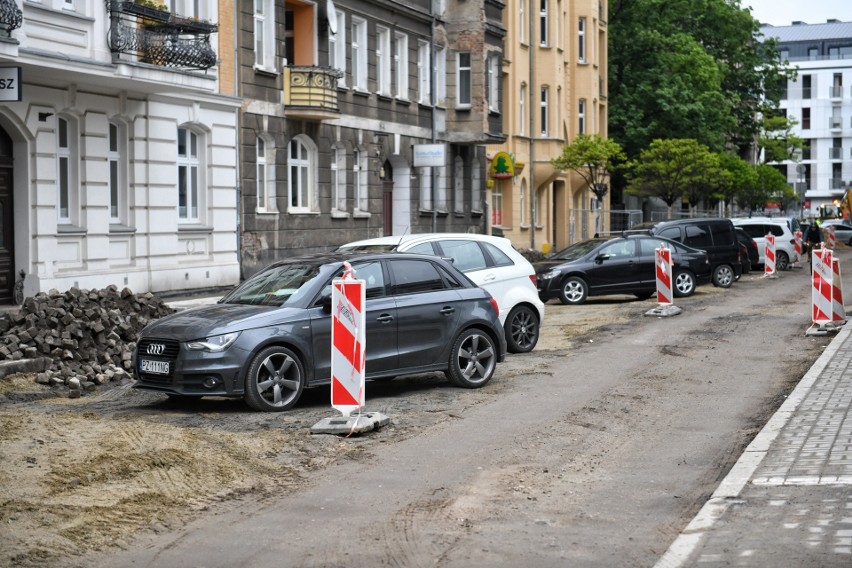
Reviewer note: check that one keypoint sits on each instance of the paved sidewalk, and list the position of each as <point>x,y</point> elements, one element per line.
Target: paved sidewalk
<point>788,500</point>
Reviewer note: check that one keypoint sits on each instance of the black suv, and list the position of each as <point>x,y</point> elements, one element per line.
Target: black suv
<point>714,235</point>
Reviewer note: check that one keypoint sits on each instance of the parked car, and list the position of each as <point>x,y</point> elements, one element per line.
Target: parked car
<point>714,235</point>
<point>270,337</point>
<point>751,258</point>
<point>622,265</point>
<point>785,241</point>
<point>842,230</point>
<point>492,263</point>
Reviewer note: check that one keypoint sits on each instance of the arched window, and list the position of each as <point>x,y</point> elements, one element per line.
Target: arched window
<point>190,174</point>
<point>265,175</point>
<point>301,156</point>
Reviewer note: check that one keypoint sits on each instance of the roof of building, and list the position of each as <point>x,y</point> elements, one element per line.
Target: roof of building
<point>833,29</point>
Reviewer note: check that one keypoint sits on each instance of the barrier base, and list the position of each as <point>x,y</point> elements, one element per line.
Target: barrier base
<point>353,424</point>
<point>817,329</point>
<point>771,275</point>
<point>664,311</point>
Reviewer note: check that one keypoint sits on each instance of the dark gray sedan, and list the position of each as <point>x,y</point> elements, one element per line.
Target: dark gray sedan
<point>270,337</point>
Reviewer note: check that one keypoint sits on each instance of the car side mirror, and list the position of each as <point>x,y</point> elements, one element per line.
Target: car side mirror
<point>325,303</point>
<point>602,257</point>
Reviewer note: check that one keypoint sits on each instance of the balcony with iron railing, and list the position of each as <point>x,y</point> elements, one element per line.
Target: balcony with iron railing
<point>310,92</point>
<point>11,18</point>
<point>835,153</point>
<point>158,37</point>
<point>835,122</point>
<point>835,92</point>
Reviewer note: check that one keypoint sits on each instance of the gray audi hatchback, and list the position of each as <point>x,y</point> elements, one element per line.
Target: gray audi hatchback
<point>270,337</point>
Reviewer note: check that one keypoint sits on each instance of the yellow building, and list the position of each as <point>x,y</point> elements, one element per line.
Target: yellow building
<point>554,87</point>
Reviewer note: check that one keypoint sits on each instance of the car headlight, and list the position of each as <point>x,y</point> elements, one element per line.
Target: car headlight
<point>214,344</point>
<point>549,275</point>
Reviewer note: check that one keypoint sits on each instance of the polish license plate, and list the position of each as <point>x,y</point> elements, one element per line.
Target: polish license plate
<point>154,367</point>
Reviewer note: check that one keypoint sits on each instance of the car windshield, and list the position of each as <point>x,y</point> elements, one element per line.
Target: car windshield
<point>577,250</point>
<point>274,286</point>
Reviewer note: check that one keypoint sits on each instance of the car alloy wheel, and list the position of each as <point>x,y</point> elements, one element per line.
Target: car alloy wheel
<point>275,380</point>
<point>723,276</point>
<point>472,359</point>
<point>521,330</point>
<point>684,284</point>
<point>574,291</point>
<point>782,262</point>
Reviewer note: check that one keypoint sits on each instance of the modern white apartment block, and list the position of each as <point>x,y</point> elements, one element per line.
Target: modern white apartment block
<point>118,161</point>
<point>820,100</point>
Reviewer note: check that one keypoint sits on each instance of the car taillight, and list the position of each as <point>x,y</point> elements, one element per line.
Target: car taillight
<point>494,305</point>
<point>534,280</point>
<point>792,241</point>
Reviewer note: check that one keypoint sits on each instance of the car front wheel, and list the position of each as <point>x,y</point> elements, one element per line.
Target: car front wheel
<point>521,329</point>
<point>275,380</point>
<point>574,291</point>
<point>783,261</point>
<point>684,284</point>
<point>723,276</point>
<point>472,360</point>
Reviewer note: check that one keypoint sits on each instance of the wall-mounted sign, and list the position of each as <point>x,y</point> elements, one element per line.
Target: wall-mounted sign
<point>502,166</point>
<point>430,155</point>
<point>10,84</point>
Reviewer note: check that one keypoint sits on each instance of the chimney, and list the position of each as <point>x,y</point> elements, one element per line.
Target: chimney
<point>832,21</point>
<point>799,23</point>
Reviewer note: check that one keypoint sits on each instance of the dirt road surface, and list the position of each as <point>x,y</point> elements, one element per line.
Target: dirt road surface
<point>594,450</point>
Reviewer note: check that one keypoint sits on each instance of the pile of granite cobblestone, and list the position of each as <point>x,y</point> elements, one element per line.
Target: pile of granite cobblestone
<point>83,338</point>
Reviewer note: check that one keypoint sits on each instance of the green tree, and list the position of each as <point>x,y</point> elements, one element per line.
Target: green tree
<point>593,158</point>
<point>672,169</point>
<point>769,185</point>
<point>737,176</point>
<point>776,139</point>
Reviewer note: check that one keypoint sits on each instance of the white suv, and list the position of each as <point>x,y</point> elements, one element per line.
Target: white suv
<point>493,264</point>
<point>785,241</point>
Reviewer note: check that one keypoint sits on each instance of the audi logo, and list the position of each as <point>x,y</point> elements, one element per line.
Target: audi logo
<point>156,349</point>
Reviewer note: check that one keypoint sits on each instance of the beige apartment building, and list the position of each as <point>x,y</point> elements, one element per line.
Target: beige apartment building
<point>554,80</point>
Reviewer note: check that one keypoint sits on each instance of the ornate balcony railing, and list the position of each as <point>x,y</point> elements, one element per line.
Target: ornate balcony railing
<point>311,92</point>
<point>11,17</point>
<point>159,37</point>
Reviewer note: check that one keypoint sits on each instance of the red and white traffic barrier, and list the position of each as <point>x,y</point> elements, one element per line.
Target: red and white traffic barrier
<point>838,310</point>
<point>769,256</point>
<point>348,342</point>
<point>821,302</point>
<point>664,275</point>
<point>830,237</point>
<point>800,249</point>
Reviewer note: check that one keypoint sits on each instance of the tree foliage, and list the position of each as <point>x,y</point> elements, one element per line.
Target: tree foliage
<point>593,158</point>
<point>776,140</point>
<point>672,169</point>
<point>689,69</point>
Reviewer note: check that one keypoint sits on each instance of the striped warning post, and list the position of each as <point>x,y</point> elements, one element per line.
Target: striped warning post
<point>821,292</point>
<point>664,274</point>
<point>830,237</point>
<point>838,310</point>
<point>797,239</point>
<point>769,255</point>
<point>348,343</point>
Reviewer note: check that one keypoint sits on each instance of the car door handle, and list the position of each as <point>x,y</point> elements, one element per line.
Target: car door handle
<point>489,278</point>
<point>448,310</point>
<point>384,318</point>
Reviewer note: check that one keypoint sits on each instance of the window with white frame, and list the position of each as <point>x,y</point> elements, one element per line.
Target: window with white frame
<point>522,204</point>
<point>424,72</point>
<point>441,76</point>
<point>522,110</point>
<point>116,157</point>
<point>543,107</point>
<point>338,178</point>
<point>189,175</point>
<point>425,189</point>
<point>581,40</point>
<point>359,53</point>
<point>66,170</point>
<point>543,25</point>
<point>400,64</point>
<point>458,184</point>
<point>494,83</point>
<point>337,48</point>
<point>497,206</point>
<point>383,60</point>
<point>463,79</point>
<point>360,170</point>
<point>264,34</point>
<point>581,117</point>
<point>265,175</point>
<point>522,21</point>
<point>301,166</point>
<point>476,187</point>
